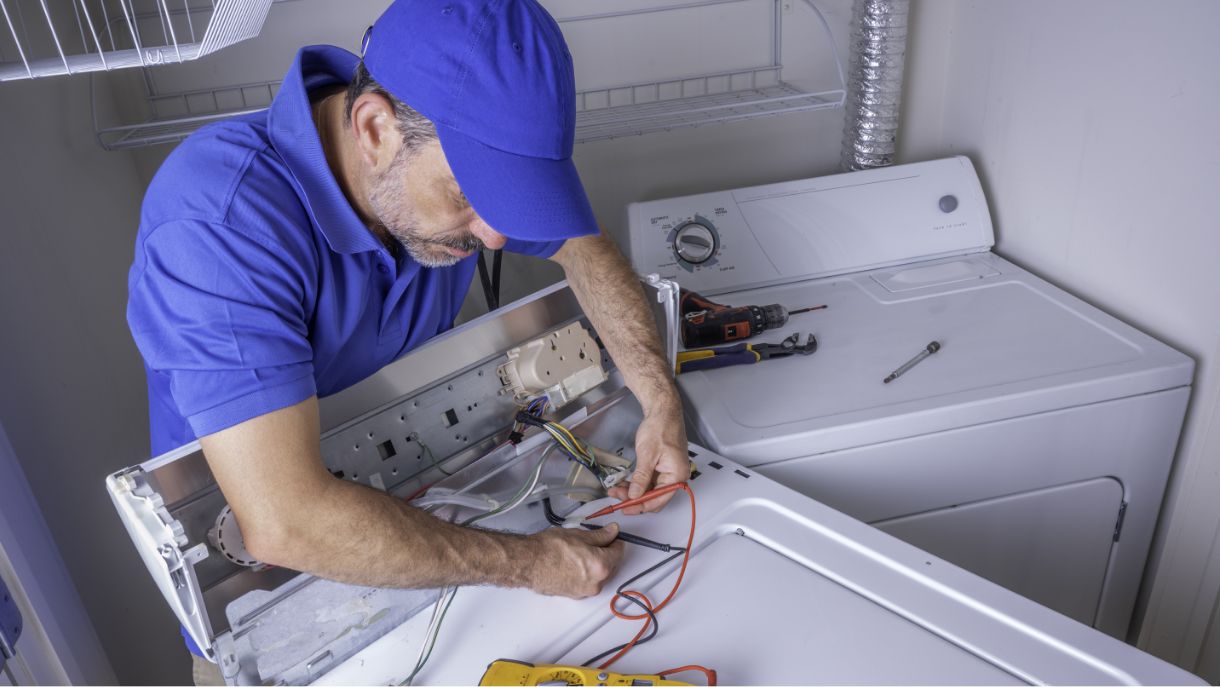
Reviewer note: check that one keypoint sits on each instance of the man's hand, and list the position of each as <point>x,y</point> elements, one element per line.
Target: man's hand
<point>575,562</point>
<point>661,458</point>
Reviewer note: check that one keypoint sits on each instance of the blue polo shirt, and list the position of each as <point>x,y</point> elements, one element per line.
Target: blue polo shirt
<point>255,284</point>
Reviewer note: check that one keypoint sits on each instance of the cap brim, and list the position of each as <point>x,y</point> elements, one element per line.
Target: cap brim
<point>526,198</point>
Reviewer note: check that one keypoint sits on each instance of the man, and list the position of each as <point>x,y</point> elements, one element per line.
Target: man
<point>289,254</point>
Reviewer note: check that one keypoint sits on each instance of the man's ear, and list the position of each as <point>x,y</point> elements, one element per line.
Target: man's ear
<point>375,130</point>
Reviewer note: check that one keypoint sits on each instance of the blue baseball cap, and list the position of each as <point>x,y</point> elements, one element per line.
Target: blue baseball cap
<point>496,79</point>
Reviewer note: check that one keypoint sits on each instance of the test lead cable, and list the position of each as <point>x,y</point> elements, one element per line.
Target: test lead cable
<point>639,598</point>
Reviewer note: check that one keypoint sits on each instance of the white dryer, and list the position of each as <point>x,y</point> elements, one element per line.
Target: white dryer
<point>1032,449</point>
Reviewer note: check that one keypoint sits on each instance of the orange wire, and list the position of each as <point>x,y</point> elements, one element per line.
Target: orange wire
<point>690,540</point>
<point>707,672</point>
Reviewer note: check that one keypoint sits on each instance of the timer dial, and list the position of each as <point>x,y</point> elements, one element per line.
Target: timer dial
<point>695,243</point>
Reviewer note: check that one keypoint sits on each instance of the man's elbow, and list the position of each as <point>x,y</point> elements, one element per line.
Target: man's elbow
<point>275,538</point>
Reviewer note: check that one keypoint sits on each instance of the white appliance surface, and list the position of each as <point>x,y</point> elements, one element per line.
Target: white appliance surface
<point>780,590</point>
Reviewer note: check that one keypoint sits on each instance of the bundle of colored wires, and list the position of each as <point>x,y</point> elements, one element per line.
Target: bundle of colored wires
<point>571,444</point>
<point>535,408</point>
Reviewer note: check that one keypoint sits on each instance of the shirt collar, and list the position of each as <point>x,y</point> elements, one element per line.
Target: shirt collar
<point>295,137</point>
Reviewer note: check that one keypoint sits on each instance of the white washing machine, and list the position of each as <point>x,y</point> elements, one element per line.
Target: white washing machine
<point>1033,448</point>
<point>832,600</point>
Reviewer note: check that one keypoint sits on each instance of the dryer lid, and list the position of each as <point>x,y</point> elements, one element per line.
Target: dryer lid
<point>1011,344</point>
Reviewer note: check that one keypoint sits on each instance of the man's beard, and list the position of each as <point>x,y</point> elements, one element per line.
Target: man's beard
<point>388,200</point>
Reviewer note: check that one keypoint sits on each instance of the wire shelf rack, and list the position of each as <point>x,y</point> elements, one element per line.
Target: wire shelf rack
<point>79,36</point>
<point>604,113</point>
<point>697,101</point>
<point>756,91</point>
<point>176,115</point>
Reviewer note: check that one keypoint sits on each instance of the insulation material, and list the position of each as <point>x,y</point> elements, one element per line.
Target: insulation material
<point>874,82</point>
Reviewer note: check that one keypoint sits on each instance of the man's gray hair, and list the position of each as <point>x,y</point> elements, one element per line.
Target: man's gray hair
<point>416,129</point>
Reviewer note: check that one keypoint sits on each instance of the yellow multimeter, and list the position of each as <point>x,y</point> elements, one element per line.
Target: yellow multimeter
<point>509,672</point>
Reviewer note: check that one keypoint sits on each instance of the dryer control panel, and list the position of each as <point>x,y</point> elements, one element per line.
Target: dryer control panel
<point>818,227</point>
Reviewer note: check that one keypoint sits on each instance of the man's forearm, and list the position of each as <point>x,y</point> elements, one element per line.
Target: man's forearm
<point>610,294</point>
<point>295,514</point>
<point>362,536</point>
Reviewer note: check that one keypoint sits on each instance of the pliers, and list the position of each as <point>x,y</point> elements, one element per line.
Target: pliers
<point>743,354</point>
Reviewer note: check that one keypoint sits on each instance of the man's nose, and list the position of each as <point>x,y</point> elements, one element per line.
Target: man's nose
<point>490,237</point>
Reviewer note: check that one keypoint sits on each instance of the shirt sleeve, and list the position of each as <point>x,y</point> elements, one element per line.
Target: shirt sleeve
<point>223,314</point>
<point>540,249</point>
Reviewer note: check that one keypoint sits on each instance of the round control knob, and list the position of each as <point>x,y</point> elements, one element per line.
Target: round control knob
<point>695,243</point>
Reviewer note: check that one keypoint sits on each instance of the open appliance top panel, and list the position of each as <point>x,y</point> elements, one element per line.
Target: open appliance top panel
<point>780,590</point>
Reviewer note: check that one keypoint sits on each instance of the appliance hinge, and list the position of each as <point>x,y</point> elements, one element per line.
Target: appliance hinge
<point>1118,526</point>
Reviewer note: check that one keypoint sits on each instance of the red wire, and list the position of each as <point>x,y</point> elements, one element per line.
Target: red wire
<point>421,490</point>
<point>707,672</point>
<point>648,496</point>
<point>690,540</point>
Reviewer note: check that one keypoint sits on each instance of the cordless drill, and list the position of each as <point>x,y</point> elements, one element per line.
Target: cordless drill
<point>706,323</point>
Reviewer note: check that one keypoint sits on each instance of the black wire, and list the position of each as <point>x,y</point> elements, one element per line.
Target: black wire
<point>490,291</point>
<point>652,616</point>
<point>497,258</point>
<point>551,517</point>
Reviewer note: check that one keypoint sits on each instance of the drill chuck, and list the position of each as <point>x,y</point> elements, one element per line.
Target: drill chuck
<point>774,315</point>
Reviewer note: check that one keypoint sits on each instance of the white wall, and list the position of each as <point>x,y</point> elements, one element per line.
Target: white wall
<point>72,393</point>
<point>1094,125</point>
<point>58,644</point>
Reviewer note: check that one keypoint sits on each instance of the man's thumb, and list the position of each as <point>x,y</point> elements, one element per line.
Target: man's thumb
<point>639,482</point>
<point>605,535</point>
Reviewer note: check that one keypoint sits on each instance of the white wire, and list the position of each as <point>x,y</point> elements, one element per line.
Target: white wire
<point>434,629</point>
<point>447,593</point>
<point>486,501</point>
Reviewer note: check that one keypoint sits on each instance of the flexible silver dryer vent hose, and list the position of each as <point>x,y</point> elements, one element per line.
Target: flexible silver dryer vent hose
<point>874,82</point>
